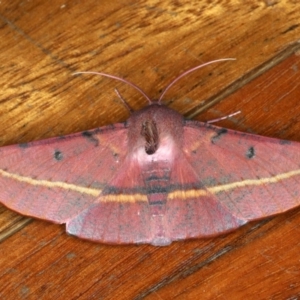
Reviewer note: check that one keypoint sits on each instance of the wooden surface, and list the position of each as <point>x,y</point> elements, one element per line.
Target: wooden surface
<point>150,43</point>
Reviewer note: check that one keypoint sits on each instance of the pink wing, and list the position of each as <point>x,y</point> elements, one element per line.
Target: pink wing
<point>56,179</point>
<point>87,180</point>
<point>240,177</point>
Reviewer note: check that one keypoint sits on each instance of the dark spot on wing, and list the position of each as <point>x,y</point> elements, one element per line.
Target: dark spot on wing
<point>58,155</point>
<point>284,142</point>
<point>23,145</point>
<point>156,203</point>
<point>209,181</point>
<point>90,137</point>
<point>116,155</point>
<point>219,133</point>
<point>157,190</point>
<point>250,152</point>
<point>157,178</point>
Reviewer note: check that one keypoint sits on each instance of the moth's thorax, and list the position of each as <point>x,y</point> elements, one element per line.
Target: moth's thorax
<point>155,133</point>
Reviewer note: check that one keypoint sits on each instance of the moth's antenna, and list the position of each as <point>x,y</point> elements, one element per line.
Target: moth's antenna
<point>119,79</point>
<point>223,118</point>
<point>129,108</point>
<point>188,72</point>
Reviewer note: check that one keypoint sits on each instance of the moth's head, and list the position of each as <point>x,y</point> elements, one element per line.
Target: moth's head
<point>153,127</point>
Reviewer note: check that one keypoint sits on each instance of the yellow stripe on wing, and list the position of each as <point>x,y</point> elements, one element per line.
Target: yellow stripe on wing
<point>194,193</point>
<point>253,182</point>
<point>51,184</point>
<point>138,197</point>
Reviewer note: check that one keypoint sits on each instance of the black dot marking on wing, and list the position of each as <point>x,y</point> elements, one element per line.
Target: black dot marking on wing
<point>58,155</point>
<point>219,133</point>
<point>90,137</point>
<point>250,152</point>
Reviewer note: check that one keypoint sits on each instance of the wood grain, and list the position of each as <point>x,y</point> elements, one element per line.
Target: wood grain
<point>149,43</point>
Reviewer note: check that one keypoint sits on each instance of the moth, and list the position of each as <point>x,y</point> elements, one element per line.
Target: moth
<point>154,179</point>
